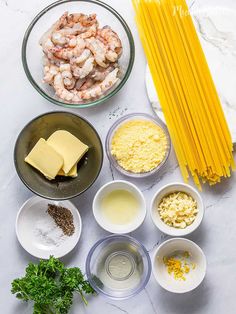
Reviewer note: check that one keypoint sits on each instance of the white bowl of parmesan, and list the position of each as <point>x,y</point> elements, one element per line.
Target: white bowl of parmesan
<point>177,209</point>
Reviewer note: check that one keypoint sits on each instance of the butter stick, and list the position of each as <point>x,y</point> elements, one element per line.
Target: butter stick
<point>69,147</point>
<point>72,173</point>
<point>45,159</point>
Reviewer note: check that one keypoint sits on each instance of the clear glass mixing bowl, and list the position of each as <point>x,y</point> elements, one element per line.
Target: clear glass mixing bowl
<point>118,267</point>
<point>32,53</point>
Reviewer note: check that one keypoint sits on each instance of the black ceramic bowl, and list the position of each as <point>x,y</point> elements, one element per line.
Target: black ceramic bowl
<point>89,166</point>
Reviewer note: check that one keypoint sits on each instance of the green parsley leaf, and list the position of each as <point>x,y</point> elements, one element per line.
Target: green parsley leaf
<point>50,285</point>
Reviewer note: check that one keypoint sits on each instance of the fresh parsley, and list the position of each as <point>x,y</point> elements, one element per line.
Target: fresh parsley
<point>50,285</point>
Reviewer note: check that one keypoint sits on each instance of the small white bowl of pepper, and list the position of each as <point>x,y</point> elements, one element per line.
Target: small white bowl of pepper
<point>46,228</point>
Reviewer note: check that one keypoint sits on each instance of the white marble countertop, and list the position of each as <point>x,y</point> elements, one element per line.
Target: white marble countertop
<point>20,103</point>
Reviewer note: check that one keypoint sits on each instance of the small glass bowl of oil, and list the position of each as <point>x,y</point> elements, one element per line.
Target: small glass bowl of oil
<point>118,267</point>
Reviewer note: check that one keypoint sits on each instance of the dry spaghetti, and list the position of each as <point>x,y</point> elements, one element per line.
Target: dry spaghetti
<point>186,90</point>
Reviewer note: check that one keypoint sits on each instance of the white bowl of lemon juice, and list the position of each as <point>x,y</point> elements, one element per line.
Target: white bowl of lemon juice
<point>119,207</point>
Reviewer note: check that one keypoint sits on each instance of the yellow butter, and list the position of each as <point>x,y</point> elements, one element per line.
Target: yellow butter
<point>45,159</point>
<point>69,147</point>
<point>72,173</point>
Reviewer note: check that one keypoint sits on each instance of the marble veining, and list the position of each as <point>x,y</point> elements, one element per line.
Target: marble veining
<point>117,307</point>
<point>224,41</point>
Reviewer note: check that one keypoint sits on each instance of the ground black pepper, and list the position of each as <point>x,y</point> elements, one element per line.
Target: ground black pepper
<point>63,218</point>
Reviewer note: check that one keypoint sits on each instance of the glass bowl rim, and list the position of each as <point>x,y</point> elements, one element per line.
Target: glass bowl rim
<point>116,125</point>
<point>20,174</point>
<point>125,237</point>
<point>97,101</point>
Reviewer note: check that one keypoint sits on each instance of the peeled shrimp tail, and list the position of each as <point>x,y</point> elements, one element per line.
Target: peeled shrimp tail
<point>82,72</point>
<point>98,50</point>
<point>82,58</point>
<point>92,30</point>
<point>72,95</point>
<point>57,25</point>
<point>99,89</point>
<point>68,79</point>
<point>111,41</point>
<point>68,53</point>
<point>99,74</point>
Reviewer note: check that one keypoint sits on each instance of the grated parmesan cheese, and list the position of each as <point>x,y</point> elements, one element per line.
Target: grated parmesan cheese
<point>139,145</point>
<point>178,210</point>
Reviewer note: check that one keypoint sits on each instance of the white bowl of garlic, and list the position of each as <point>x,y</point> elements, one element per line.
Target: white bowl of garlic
<point>177,209</point>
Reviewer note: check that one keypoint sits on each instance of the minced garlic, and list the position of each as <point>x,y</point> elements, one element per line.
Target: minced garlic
<point>178,265</point>
<point>178,210</point>
<point>139,145</point>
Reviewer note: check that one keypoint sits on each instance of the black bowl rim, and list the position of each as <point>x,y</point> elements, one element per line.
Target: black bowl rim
<point>20,174</point>
<point>96,101</point>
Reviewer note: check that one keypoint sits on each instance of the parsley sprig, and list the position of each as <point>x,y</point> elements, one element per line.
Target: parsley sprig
<point>50,285</point>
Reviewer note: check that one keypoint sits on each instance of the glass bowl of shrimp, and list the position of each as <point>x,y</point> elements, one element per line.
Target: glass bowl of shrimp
<point>78,53</point>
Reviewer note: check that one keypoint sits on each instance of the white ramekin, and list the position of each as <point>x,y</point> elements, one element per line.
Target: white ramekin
<point>170,188</point>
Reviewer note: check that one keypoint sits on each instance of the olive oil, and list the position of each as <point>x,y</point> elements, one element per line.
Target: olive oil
<point>120,207</point>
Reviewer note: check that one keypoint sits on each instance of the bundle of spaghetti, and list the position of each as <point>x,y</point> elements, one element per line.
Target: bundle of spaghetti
<point>186,90</point>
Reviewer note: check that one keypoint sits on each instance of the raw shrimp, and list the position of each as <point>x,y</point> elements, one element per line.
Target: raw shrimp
<point>72,31</point>
<point>98,50</point>
<point>111,41</point>
<point>112,56</point>
<point>92,30</point>
<point>99,73</point>
<point>62,92</point>
<point>68,79</point>
<point>47,45</point>
<point>59,39</point>
<point>46,38</point>
<point>69,82</point>
<point>80,59</point>
<point>87,84</point>
<point>100,88</point>
<point>50,71</point>
<point>65,67</point>
<point>79,83</point>
<point>92,92</point>
<point>81,72</point>
<point>77,24</point>
<point>83,19</point>
<point>71,25</point>
<point>68,53</point>
<point>54,60</point>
